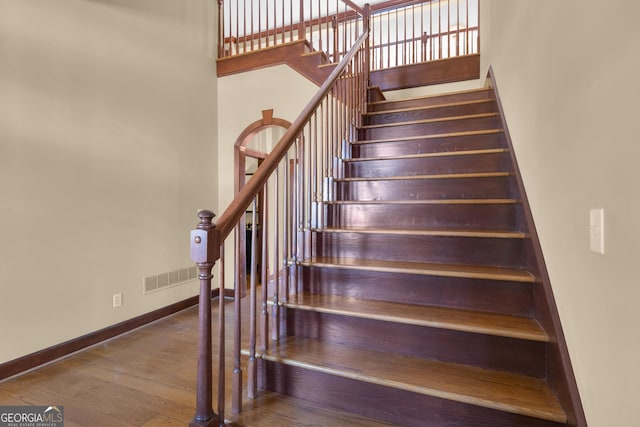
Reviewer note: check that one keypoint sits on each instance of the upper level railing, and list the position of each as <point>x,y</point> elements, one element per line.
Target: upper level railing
<point>403,32</point>
<point>329,26</point>
<point>421,31</point>
<point>293,185</point>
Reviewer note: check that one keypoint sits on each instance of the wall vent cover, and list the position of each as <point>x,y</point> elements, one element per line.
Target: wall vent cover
<point>168,280</point>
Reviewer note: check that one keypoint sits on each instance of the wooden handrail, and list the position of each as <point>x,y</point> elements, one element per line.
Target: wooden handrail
<point>346,85</point>
<point>239,205</point>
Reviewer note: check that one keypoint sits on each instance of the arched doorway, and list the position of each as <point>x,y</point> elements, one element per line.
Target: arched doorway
<point>251,148</point>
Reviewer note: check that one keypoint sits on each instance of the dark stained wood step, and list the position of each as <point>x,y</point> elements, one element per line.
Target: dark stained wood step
<point>491,185</point>
<point>485,388</point>
<point>497,296</point>
<point>426,269</point>
<point>461,214</point>
<point>430,112</point>
<point>420,315</point>
<point>425,127</point>
<point>495,234</point>
<point>455,141</point>
<point>413,337</point>
<point>451,162</point>
<point>427,202</point>
<point>439,99</point>
<point>419,247</point>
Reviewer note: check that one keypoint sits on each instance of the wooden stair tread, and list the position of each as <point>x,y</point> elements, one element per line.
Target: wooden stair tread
<point>430,136</point>
<point>429,155</point>
<point>431,269</point>
<point>425,202</point>
<point>502,391</point>
<point>421,315</point>
<point>427,97</point>
<point>428,107</point>
<point>433,120</point>
<point>496,234</point>
<point>427,177</point>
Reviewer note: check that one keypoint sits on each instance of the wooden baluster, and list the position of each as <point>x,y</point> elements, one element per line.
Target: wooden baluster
<point>252,368</point>
<point>240,284</point>
<point>252,26</point>
<point>283,26</point>
<point>448,29</point>
<point>264,278</point>
<point>221,337</point>
<point>422,34</point>
<point>466,33</point>
<point>457,27</point>
<point>301,29</point>
<point>244,26</point>
<point>291,20</point>
<point>413,34</point>
<point>366,26</point>
<point>266,14</point>
<point>275,324</point>
<point>205,250</point>
<point>334,27</point>
<point>221,29</point>
<point>285,246</point>
<point>404,43</point>
<point>259,25</point>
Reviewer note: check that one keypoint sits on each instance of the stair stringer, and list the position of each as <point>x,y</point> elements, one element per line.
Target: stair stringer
<point>559,368</point>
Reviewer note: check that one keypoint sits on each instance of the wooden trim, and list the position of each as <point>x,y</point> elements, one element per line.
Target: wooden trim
<point>563,380</point>
<point>47,355</point>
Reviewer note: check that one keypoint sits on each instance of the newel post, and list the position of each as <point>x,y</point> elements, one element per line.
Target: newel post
<point>205,250</point>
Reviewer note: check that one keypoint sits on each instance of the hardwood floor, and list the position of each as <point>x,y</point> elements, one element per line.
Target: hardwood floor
<point>147,378</point>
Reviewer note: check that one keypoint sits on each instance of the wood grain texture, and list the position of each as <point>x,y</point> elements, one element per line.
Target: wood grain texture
<point>429,100</point>
<point>402,408</point>
<point>427,269</point>
<point>402,115</point>
<point>428,73</point>
<point>491,389</point>
<point>497,296</point>
<point>147,378</point>
<point>433,317</point>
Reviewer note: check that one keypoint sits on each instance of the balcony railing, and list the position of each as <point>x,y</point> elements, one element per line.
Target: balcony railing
<point>402,32</point>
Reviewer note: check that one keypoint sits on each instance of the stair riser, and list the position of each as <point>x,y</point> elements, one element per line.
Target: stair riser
<point>435,100</point>
<point>427,145</point>
<point>481,217</point>
<point>485,351</point>
<point>415,248</point>
<point>472,163</point>
<point>431,113</point>
<point>473,294</point>
<point>444,126</point>
<point>399,407</point>
<point>426,189</point>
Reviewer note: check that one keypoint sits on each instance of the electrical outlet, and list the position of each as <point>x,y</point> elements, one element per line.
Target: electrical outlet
<point>117,300</point>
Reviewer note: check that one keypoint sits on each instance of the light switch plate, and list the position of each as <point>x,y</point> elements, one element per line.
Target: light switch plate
<point>596,230</point>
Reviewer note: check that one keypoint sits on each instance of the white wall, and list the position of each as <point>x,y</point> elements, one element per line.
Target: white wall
<point>107,149</point>
<point>568,78</point>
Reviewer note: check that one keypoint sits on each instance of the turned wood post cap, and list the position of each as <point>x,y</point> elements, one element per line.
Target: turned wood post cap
<point>206,216</point>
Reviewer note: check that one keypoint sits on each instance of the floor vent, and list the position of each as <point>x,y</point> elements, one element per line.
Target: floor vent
<point>170,279</point>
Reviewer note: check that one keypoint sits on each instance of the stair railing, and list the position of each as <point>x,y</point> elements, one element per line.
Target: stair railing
<point>411,32</point>
<point>294,185</point>
<point>329,26</point>
<point>403,32</point>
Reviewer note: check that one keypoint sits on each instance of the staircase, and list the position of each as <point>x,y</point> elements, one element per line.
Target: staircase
<point>421,303</point>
